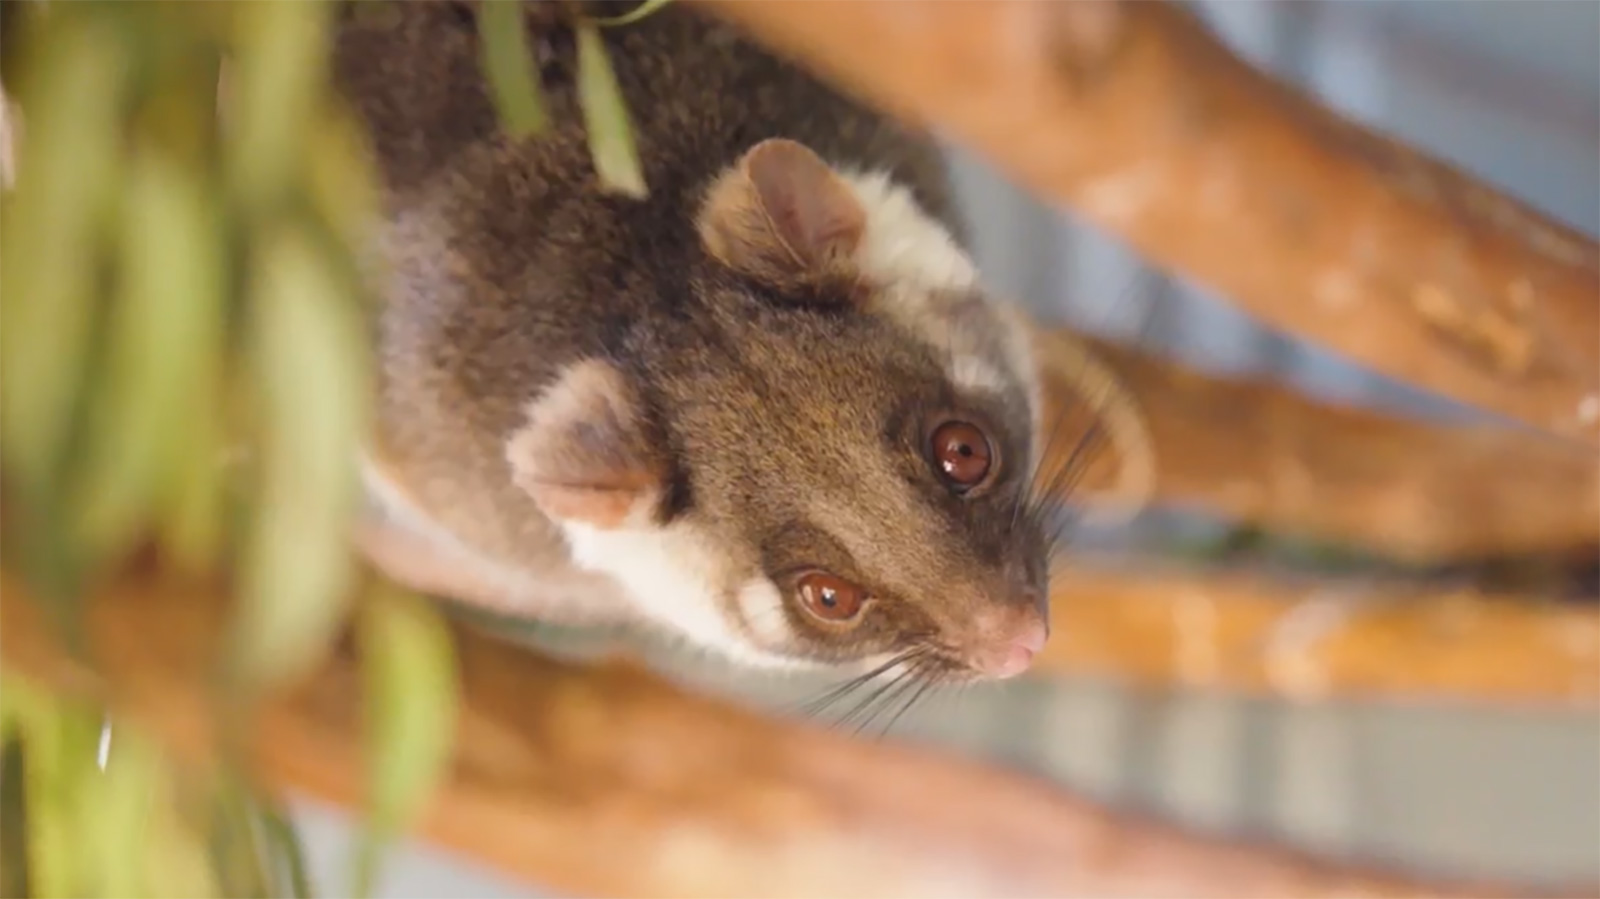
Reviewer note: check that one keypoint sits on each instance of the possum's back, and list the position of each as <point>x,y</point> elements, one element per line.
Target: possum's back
<point>698,93</point>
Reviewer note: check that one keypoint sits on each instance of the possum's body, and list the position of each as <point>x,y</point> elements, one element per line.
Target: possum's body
<point>735,421</point>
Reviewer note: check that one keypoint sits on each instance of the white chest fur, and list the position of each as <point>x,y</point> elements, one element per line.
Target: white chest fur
<point>675,579</point>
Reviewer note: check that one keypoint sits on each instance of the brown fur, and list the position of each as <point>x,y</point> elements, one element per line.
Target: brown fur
<point>782,216</point>
<point>771,409</point>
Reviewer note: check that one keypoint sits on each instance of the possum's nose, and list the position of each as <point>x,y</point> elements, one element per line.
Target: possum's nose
<point>1009,649</point>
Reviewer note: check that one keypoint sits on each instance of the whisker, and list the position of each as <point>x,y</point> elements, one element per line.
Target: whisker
<point>1072,473</point>
<point>815,706</point>
<point>1031,487</point>
<point>891,688</point>
<point>1048,503</point>
<point>917,683</point>
<point>869,698</point>
<point>1048,492</point>
<point>924,686</point>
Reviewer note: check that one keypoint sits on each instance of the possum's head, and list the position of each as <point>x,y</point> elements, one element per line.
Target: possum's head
<point>836,467</point>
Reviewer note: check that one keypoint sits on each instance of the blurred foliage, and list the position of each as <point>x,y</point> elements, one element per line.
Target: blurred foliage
<point>107,814</point>
<point>184,377</point>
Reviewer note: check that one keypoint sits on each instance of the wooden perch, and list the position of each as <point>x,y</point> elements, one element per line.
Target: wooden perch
<point>1418,491</point>
<point>1257,452</point>
<point>1310,641</point>
<point>607,781</point>
<point>1134,115</point>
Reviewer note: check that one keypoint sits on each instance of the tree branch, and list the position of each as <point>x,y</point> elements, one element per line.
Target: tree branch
<point>607,781</point>
<point>1135,116</point>
<point>1311,641</point>
<point>1257,452</point>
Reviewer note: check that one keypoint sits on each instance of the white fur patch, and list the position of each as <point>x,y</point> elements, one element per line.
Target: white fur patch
<point>904,246</point>
<point>970,373</point>
<point>1021,329</point>
<point>673,577</point>
<point>762,607</point>
<point>913,258</point>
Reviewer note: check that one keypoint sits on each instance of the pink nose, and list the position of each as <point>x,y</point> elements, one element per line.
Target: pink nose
<point>1014,655</point>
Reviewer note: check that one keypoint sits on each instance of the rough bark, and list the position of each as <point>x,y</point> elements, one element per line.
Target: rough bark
<point>607,781</point>
<point>1256,452</point>
<point>1136,117</point>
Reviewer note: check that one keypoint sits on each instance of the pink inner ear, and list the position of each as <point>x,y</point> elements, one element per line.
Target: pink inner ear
<point>583,456</point>
<point>602,507</point>
<point>574,482</point>
<point>813,210</point>
<point>828,229</point>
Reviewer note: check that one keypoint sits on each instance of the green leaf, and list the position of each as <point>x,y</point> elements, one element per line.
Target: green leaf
<point>165,328</point>
<point>274,85</point>
<point>632,15</point>
<point>52,861</point>
<point>284,841</point>
<point>408,659</point>
<point>239,853</point>
<point>59,741</point>
<point>50,238</point>
<point>343,189</point>
<point>193,523</point>
<point>179,862</point>
<point>605,118</point>
<point>508,64</point>
<point>13,819</point>
<point>116,811</point>
<point>313,368</point>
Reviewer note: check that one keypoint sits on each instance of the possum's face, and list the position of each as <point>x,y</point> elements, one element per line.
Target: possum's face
<point>840,472</point>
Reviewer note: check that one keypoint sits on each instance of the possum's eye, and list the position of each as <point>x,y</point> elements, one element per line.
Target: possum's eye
<point>832,599</point>
<point>962,454</point>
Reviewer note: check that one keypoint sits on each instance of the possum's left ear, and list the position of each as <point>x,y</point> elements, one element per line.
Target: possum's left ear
<point>782,214</point>
<point>584,455</point>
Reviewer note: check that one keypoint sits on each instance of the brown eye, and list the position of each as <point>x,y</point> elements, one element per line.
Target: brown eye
<point>831,598</point>
<point>962,453</point>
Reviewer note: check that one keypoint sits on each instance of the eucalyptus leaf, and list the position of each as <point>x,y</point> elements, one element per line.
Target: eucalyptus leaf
<point>275,84</point>
<point>51,231</point>
<point>193,512</point>
<point>14,879</point>
<point>341,181</point>
<point>508,65</point>
<point>115,815</point>
<point>283,841</point>
<point>59,740</point>
<point>180,862</point>
<point>165,328</point>
<point>605,118</point>
<point>409,666</point>
<point>312,366</point>
<point>52,838</point>
<point>237,840</point>
<point>108,196</point>
<point>632,15</point>
<point>118,312</point>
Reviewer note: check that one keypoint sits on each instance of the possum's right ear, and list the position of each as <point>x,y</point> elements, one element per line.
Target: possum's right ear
<point>585,454</point>
<point>782,214</point>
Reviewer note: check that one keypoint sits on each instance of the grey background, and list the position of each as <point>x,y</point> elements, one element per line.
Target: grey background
<point>1511,92</point>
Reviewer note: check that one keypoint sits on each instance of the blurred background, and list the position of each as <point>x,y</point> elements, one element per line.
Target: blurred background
<point>1508,90</point>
